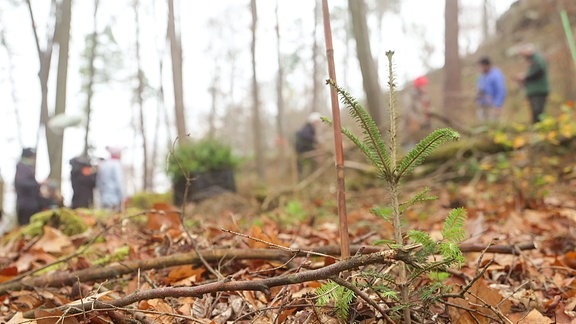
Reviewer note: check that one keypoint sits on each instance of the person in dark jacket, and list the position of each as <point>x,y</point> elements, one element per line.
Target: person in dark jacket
<point>535,81</point>
<point>306,145</point>
<point>83,179</point>
<point>28,199</point>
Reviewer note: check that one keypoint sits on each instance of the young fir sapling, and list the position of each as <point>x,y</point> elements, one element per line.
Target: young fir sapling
<point>384,156</point>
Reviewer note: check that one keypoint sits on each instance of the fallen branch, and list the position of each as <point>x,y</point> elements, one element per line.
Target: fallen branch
<point>262,285</point>
<point>66,278</point>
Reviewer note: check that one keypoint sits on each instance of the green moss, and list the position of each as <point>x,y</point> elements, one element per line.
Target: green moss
<point>119,255</point>
<point>146,200</point>
<point>64,219</point>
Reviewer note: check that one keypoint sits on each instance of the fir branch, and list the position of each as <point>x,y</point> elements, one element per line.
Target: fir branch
<point>421,196</point>
<point>372,137</point>
<point>423,149</point>
<point>453,230</point>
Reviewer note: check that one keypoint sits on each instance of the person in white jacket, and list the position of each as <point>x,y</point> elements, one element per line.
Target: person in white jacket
<point>110,181</point>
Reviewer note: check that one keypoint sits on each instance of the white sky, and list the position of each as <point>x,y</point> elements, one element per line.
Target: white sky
<point>203,47</point>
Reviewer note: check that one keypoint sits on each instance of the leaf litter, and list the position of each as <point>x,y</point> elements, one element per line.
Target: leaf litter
<point>533,286</point>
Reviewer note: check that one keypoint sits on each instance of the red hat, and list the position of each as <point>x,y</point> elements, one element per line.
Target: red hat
<point>115,152</point>
<point>420,81</point>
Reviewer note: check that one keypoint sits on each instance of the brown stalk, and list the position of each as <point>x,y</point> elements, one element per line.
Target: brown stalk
<point>338,150</point>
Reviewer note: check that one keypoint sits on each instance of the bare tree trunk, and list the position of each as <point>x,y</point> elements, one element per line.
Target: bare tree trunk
<point>213,106</point>
<point>140,103</point>
<point>452,65</point>
<point>55,141</point>
<point>485,19</point>
<point>44,58</point>
<point>176,55</point>
<point>15,105</point>
<point>280,99</point>
<point>316,82</point>
<point>91,74</point>
<point>374,95</point>
<point>256,125</point>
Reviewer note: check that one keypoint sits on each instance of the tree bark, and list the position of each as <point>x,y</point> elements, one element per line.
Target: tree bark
<point>140,102</point>
<point>256,124</point>
<point>55,141</point>
<point>280,134</point>
<point>213,105</point>
<point>176,55</point>
<point>316,80</point>
<point>91,75</point>
<point>374,95</point>
<point>452,64</point>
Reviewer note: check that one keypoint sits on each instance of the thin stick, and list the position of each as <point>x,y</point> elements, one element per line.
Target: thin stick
<point>278,246</point>
<point>338,149</point>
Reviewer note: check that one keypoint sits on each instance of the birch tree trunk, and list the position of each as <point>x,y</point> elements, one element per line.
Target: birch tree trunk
<point>55,141</point>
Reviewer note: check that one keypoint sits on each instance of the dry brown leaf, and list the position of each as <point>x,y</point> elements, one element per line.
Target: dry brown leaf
<point>535,317</point>
<point>266,235</point>
<point>163,217</point>
<point>53,241</point>
<point>8,273</point>
<point>479,295</point>
<point>564,313</point>
<point>19,318</point>
<point>569,259</point>
<point>159,305</point>
<point>223,313</point>
<point>202,307</point>
<point>26,261</point>
<point>53,317</point>
<point>185,272</point>
<point>24,301</point>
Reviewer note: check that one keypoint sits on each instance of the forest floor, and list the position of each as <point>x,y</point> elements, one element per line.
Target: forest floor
<point>143,265</point>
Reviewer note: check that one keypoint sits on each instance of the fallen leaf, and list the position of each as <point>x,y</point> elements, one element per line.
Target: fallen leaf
<point>185,272</point>
<point>535,317</point>
<point>478,296</point>
<point>569,259</point>
<point>52,241</point>
<point>8,273</point>
<point>163,217</point>
<point>53,317</point>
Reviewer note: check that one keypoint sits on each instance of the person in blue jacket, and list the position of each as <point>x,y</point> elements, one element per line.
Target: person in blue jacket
<point>491,94</point>
<point>110,181</point>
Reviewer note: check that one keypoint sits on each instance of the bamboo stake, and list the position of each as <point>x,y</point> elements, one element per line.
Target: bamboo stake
<point>339,152</point>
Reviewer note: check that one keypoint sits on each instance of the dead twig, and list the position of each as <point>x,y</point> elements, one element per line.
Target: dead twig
<point>362,295</point>
<point>215,255</point>
<point>262,285</point>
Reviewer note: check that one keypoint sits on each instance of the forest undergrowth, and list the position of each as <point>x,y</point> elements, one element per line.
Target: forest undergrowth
<point>534,285</point>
